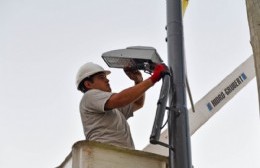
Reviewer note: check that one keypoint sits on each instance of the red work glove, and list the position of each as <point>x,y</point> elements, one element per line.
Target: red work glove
<point>158,72</point>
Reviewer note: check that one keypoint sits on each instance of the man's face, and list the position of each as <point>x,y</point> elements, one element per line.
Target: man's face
<point>100,82</point>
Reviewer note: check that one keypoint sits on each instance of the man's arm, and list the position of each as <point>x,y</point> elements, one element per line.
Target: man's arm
<point>139,103</point>
<point>135,94</point>
<point>137,77</point>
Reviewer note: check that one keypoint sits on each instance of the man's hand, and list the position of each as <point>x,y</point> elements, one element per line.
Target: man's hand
<point>134,75</point>
<point>158,72</point>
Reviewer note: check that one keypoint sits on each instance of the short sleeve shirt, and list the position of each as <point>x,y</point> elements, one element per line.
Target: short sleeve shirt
<point>105,126</point>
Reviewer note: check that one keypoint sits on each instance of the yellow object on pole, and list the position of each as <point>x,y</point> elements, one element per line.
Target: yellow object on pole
<point>184,6</point>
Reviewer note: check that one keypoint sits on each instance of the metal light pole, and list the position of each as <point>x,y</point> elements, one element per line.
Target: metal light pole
<point>179,136</point>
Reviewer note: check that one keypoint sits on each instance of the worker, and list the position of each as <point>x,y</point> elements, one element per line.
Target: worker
<point>104,114</point>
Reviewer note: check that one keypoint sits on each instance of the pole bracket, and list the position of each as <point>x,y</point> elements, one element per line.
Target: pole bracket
<point>155,142</point>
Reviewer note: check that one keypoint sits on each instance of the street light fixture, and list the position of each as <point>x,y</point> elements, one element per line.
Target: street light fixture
<point>137,57</point>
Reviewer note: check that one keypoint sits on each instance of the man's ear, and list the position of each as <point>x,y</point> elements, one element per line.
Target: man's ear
<point>88,84</point>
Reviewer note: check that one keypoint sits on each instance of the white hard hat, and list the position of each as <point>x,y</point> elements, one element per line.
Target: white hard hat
<point>87,70</point>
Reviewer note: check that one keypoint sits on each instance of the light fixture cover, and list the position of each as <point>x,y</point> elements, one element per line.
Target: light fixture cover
<point>139,57</point>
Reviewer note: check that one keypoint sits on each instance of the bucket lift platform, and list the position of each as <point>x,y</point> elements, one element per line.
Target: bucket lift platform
<point>89,154</point>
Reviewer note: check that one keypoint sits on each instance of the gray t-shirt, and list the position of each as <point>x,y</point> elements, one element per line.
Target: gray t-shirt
<point>105,126</point>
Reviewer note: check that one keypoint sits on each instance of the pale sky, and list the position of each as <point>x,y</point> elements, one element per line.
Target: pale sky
<point>44,42</point>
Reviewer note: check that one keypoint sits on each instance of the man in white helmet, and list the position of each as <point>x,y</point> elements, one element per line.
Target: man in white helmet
<point>104,114</point>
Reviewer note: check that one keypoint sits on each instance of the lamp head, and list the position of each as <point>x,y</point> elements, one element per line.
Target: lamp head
<point>142,58</point>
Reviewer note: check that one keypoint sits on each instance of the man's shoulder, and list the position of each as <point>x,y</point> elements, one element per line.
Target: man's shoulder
<point>96,93</point>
